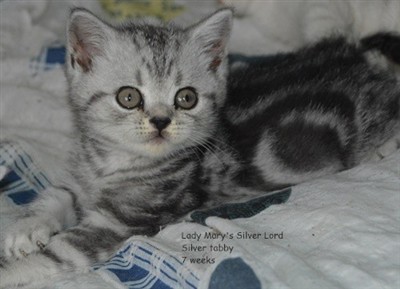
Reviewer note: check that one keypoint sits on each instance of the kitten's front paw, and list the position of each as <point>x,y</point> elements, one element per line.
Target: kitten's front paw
<point>29,235</point>
<point>389,146</point>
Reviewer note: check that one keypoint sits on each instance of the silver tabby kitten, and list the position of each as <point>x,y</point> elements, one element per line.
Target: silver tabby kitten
<point>158,133</point>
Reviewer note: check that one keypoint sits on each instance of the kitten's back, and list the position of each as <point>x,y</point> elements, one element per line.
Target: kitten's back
<point>301,115</point>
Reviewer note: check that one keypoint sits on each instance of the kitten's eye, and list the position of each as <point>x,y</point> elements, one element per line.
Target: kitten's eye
<point>186,98</point>
<point>129,97</point>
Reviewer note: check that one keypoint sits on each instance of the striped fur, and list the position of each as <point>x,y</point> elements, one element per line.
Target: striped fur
<point>282,120</point>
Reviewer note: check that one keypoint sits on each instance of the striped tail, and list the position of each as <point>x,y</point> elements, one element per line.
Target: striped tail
<point>387,43</point>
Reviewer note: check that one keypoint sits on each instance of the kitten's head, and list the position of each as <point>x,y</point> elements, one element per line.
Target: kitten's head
<point>145,88</point>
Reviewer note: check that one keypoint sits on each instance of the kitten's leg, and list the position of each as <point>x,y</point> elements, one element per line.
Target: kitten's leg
<point>3,172</point>
<point>387,148</point>
<point>95,239</point>
<point>54,210</point>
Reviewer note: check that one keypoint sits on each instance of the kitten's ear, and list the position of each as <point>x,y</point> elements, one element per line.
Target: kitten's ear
<point>86,35</point>
<point>212,34</point>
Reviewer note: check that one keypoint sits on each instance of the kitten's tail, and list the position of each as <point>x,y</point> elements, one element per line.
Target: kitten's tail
<point>386,43</point>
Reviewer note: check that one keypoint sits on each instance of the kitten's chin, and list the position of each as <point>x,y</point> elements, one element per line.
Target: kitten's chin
<point>157,147</point>
<point>158,140</point>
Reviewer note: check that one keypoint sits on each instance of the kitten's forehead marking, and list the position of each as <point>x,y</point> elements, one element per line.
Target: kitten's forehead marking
<point>178,79</point>
<point>139,80</point>
<point>162,43</point>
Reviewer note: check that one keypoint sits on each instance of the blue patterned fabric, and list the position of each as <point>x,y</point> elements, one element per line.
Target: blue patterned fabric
<point>234,273</point>
<point>22,180</point>
<point>140,264</point>
<point>50,57</point>
<point>246,209</point>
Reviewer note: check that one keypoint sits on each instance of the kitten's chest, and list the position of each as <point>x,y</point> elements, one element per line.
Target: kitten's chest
<point>149,196</point>
<point>151,181</point>
<point>172,186</point>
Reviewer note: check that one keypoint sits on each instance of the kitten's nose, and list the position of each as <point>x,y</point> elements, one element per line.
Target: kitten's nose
<point>160,122</point>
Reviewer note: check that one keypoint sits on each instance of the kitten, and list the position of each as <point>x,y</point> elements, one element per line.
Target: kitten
<point>159,133</point>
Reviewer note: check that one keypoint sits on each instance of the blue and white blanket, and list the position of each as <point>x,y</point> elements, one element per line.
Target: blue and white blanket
<point>328,234</point>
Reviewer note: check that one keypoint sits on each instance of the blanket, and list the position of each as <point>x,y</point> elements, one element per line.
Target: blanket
<point>335,232</point>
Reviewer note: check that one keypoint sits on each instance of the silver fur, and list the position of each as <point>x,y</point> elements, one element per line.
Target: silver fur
<point>242,141</point>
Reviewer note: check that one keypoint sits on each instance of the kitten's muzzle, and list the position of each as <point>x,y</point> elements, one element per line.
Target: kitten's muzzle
<point>160,123</point>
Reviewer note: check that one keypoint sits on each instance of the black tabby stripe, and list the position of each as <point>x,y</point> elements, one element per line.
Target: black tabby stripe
<point>181,200</point>
<point>52,256</point>
<point>170,185</point>
<point>327,101</point>
<point>200,195</point>
<point>92,240</point>
<point>294,71</point>
<point>95,98</point>
<point>135,220</point>
<point>308,147</point>
<point>211,96</point>
<point>178,79</point>
<point>75,204</point>
<point>169,68</point>
<point>161,65</point>
<point>149,67</point>
<point>98,147</point>
<point>150,167</point>
<point>3,262</point>
<point>324,101</point>
<point>139,80</point>
<point>163,173</point>
<point>89,157</point>
<point>246,136</point>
